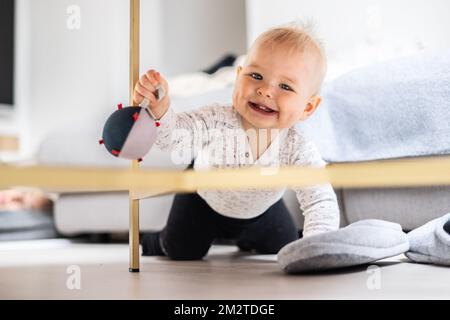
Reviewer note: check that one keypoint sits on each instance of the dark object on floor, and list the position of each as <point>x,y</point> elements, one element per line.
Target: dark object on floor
<point>226,61</point>
<point>26,225</point>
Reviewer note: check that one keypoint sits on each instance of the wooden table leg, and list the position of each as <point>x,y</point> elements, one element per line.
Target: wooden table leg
<point>134,235</point>
<point>134,76</point>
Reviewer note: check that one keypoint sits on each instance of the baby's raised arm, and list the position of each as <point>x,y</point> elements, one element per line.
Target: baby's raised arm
<point>185,130</point>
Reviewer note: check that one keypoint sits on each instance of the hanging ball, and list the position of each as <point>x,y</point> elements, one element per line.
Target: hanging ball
<point>129,133</point>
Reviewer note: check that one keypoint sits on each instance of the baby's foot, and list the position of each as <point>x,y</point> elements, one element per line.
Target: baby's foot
<point>151,244</point>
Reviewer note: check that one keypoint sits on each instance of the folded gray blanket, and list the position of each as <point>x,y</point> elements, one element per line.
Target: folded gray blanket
<point>399,108</point>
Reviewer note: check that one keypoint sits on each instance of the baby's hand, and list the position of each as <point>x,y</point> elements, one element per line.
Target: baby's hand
<point>146,88</point>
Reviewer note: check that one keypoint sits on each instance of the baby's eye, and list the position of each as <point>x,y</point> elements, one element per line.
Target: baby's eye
<point>285,87</point>
<point>256,76</point>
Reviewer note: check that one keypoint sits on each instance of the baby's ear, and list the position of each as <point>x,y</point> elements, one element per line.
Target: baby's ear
<point>314,102</point>
<point>311,106</point>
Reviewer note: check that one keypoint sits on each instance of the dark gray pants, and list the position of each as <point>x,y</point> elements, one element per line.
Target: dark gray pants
<point>193,225</point>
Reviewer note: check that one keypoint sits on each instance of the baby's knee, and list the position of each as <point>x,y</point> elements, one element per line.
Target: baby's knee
<point>183,253</point>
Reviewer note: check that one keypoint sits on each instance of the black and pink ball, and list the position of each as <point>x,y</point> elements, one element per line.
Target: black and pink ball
<point>129,132</point>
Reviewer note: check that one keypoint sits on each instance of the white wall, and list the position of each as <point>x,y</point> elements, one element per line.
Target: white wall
<point>69,74</point>
<point>72,72</point>
<point>358,32</point>
<point>204,31</point>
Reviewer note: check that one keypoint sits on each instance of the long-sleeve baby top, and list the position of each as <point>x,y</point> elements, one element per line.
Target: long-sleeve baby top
<point>214,136</point>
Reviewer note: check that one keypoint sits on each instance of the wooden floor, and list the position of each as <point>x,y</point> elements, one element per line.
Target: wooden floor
<point>39,270</point>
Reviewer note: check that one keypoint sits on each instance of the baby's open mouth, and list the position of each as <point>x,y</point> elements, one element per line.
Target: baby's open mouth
<point>261,108</point>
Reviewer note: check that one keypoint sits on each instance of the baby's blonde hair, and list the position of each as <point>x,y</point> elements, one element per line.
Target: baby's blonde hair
<point>299,37</point>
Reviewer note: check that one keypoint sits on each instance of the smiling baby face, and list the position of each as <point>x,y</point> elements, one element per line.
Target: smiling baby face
<point>277,85</point>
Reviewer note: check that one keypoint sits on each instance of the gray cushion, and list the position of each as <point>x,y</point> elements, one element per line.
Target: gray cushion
<point>410,207</point>
<point>359,243</point>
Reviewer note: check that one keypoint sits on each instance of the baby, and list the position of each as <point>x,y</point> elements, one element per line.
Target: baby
<point>276,87</point>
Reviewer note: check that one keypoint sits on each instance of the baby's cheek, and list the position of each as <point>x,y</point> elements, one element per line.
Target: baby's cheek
<point>237,91</point>
<point>239,96</point>
<point>235,98</point>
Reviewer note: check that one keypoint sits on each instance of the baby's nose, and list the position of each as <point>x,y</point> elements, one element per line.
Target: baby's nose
<point>264,92</point>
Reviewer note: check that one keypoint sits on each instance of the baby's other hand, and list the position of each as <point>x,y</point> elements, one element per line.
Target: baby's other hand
<point>146,88</point>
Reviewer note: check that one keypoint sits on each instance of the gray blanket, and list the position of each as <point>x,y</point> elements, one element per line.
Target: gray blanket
<point>399,108</point>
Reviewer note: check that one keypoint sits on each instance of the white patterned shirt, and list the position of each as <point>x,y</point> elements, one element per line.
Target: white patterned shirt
<point>214,136</point>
